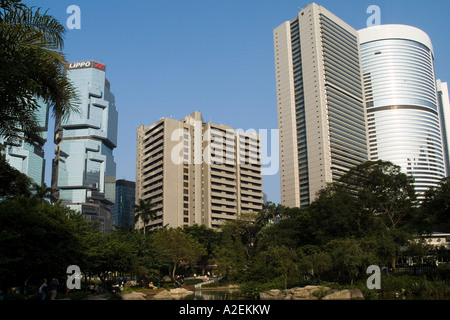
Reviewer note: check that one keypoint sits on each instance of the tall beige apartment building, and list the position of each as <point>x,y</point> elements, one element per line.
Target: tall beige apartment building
<point>320,99</point>
<point>197,172</point>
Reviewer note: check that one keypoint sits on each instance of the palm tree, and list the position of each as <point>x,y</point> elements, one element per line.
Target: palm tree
<point>43,193</point>
<point>32,68</point>
<point>144,211</point>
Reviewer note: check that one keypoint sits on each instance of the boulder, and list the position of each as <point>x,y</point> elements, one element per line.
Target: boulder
<point>273,294</point>
<point>356,294</point>
<point>181,291</point>
<point>306,293</point>
<point>163,295</point>
<point>312,293</point>
<point>134,296</point>
<point>177,293</point>
<point>339,295</point>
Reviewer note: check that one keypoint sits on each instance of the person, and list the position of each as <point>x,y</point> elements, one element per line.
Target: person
<point>53,288</point>
<point>96,288</point>
<point>43,289</point>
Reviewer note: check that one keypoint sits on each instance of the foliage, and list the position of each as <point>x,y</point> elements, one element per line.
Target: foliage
<point>436,207</point>
<point>32,70</point>
<point>177,247</point>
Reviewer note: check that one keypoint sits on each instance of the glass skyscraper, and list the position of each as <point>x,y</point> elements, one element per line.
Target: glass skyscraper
<point>84,171</point>
<point>402,102</point>
<point>29,158</point>
<point>122,212</point>
<point>321,114</point>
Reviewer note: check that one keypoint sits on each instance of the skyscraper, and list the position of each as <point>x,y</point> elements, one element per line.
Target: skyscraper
<point>402,101</point>
<point>196,172</point>
<point>29,158</point>
<point>444,111</point>
<point>321,115</point>
<point>84,171</point>
<point>122,211</point>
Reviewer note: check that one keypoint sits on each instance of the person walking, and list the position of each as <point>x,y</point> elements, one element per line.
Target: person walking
<point>54,288</point>
<point>43,289</point>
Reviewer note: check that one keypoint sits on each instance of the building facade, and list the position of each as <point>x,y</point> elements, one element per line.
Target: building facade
<point>84,171</point>
<point>444,111</point>
<point>320,99</point>
<point>197,172</point>
<point>29,158</point>
<point>122,211</point>
<point>402,102</point>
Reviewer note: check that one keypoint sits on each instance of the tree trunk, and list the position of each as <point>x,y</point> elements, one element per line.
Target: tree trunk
<point>173,271</point>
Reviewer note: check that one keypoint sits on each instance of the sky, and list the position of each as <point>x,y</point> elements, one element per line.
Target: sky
<point>168,58</point>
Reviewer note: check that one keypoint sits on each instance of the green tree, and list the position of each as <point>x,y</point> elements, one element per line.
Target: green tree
<point>436,208</point>
<point>349,258</point>
<point>230,255</point>
<point>276,262</point>
<point>37,239</point>
<point>313,260</point>
<point>144,211</point>
<point>177,248</point>
<point>385,192</point>
<point>338,214</point>
<point>13,182</point>
<point>33,64</point>
<point>208,238</point>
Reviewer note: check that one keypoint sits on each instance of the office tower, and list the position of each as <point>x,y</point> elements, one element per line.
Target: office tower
<point>444,111</point>
<point>196,172</point>
<point>122,211</point>
<point>320,100</point>
<point>84,171</point>
<point>401,100</point>
<point>29,158</point>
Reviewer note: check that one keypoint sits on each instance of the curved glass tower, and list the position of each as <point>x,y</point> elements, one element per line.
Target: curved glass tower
<point>401,101</point>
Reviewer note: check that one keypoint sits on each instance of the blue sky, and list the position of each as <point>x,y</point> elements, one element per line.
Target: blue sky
<point>168,58</point>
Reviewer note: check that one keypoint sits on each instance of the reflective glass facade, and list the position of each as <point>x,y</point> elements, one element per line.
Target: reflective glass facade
<point>122,212</point>
<point>84,171</point>
<point>402,108</point>
<point>29,158</point>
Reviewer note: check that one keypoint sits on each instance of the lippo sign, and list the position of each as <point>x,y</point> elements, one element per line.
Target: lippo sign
<point>86,65</point>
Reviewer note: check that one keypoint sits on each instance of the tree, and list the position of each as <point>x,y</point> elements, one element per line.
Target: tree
<point>144,211</point>
<point>177,247</point>
<point>44,193</point>
<point>313,260</point>
<point>383,190</point>
<point>37,240</point>
<point>338,214</point>
<point>230,255</point>
<point>207,237</point>
<point>348,257</point>
<point>276,262</point>
<point>13,182</point>
<point>32,69</point>
<point>436,207</point>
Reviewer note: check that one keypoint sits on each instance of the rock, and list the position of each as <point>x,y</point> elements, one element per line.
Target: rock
<point>134,296</point>
<point>273,294</point>
<point>163,295</point>
<point>312,293</point>
<point>177,293</point>
<point>306,293</point>
<point>181,291</point>
<point>339,295</point>
<point>357,294</point>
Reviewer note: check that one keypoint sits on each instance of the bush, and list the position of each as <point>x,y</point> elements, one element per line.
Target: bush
<point>415,286</point>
